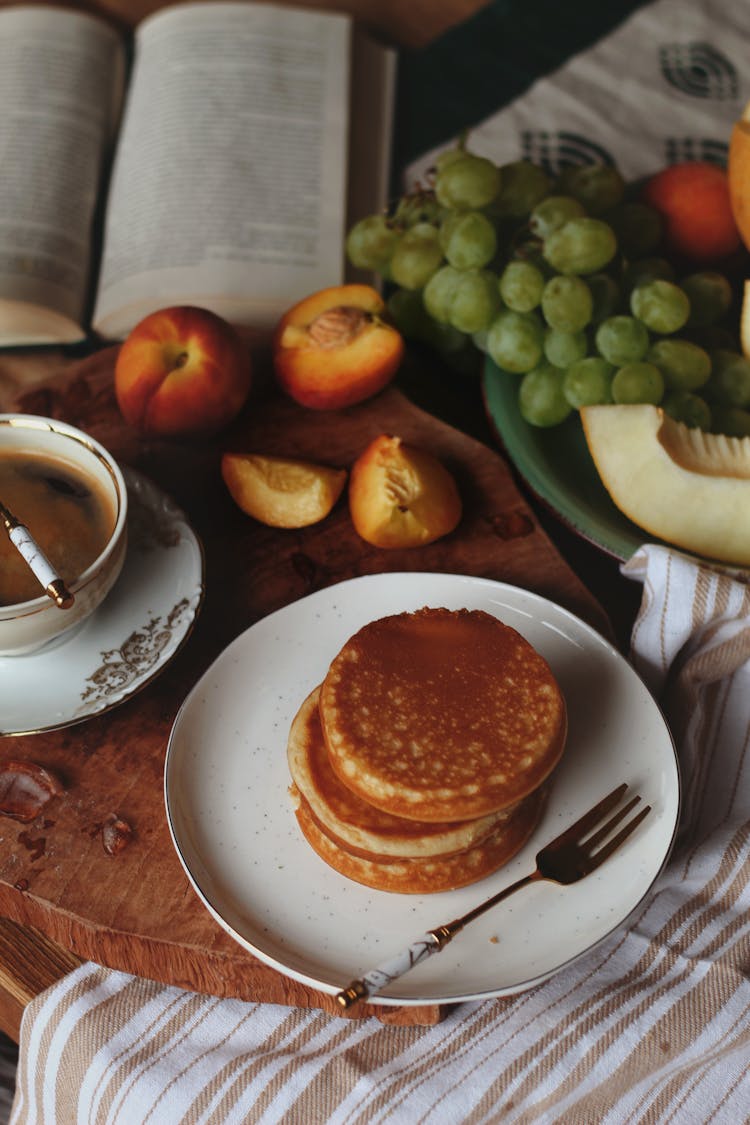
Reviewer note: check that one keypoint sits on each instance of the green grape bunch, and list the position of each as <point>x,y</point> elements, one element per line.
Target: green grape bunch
<point>564,283</point>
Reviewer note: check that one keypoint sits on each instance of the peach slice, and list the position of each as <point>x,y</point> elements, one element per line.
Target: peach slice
<point>401,496</point>
<point>282,491</point>
<point>334,348</point>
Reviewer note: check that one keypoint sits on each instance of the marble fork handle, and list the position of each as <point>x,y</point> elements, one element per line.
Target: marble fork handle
<point>391,970</point>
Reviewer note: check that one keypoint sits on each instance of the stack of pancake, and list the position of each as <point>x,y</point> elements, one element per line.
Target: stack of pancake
<point>420,762</point>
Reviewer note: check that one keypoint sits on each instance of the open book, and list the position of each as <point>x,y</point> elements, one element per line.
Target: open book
<point>216,159</point>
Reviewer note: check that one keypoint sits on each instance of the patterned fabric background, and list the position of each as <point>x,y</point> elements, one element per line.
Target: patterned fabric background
<point>666,85</point>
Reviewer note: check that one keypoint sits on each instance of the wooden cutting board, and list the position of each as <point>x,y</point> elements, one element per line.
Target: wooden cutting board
<point>136,911</point>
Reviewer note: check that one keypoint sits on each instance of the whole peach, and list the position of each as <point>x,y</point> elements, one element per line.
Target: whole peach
<point>182,370</point>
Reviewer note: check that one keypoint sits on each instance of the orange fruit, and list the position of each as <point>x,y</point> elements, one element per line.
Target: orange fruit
<point>738,170</point>
<point>694,202</point>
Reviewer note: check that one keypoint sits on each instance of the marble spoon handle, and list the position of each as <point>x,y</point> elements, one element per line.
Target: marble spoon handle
<point>36,560</point>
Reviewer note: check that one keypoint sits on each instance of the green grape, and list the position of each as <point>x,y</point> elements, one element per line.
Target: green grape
<point>554,212</point>
<point>638,382</point>
<point>515,341</point>
<point>687,407</point>
<point>588,382</point>
<point>408,314</point>
<point>448,156</point>
<point>523,185</point>
<point>622,339</point>
<point>643,270</point>
<point>370,243</point>
<point>479,339</point>
<point>468,239</point>
<point>729,384</point>
<point>639,228</point>
<point>583,245</point>
<point>475,301</point>
<point>733,421</point>
<point>525,249</point>
<point>684,365</point>
<point>599,187</point>
<point>661,305</point>
<point>540,397</point>
<point>467,184</point>
<point>438,293</point>
<point>710,296</point>
<point>605,295</point>
<point>567,303</point>
<point>563,348</point>
<point>416,257</point>
<point>419,206</point>
<point>521,284</point>
<point>446,339</point>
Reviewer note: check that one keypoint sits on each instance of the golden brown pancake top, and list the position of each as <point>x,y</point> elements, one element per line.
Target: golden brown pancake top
<point>441,714</point>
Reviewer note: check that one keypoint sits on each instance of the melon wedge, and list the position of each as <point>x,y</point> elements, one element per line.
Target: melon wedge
<point>687,487</point>
<point>745,320</point>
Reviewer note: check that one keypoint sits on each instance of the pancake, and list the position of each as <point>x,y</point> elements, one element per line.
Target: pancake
<point>441,715</point>
<point>352,822</point>
<point>428,874</point>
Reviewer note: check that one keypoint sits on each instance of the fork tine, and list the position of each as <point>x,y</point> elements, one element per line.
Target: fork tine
<point>591,818</point>
<point>606,851</point>
<point>602,833</point>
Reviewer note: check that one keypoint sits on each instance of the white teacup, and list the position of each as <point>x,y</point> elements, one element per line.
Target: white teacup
<point>27,626</point>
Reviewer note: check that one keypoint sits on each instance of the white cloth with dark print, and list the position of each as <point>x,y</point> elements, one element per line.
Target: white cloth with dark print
<point>652,1025</point>
<point>665,86</point>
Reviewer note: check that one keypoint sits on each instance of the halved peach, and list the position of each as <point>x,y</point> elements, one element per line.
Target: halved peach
<point>334,348</point>
<point>282,491</point>
<point>401,496</point>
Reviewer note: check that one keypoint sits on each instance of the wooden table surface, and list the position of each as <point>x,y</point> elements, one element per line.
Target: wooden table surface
<point>62,896</point>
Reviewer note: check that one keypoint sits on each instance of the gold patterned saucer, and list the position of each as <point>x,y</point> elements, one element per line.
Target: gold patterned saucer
<point>133,635</point>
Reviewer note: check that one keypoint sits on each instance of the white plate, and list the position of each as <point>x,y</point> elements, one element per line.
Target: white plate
<point>128,640</point>
<point>233,826</point>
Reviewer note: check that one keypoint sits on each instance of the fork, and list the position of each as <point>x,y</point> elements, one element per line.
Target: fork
<point>572,855</point>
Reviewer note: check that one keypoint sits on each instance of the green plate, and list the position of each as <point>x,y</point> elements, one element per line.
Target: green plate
<point>556,465</point>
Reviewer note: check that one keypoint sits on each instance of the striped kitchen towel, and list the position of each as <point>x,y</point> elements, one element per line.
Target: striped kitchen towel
<point>652,1026</point>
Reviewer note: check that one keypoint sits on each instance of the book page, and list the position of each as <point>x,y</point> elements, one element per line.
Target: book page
<point>228,186</point>
<point>61,81</point>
